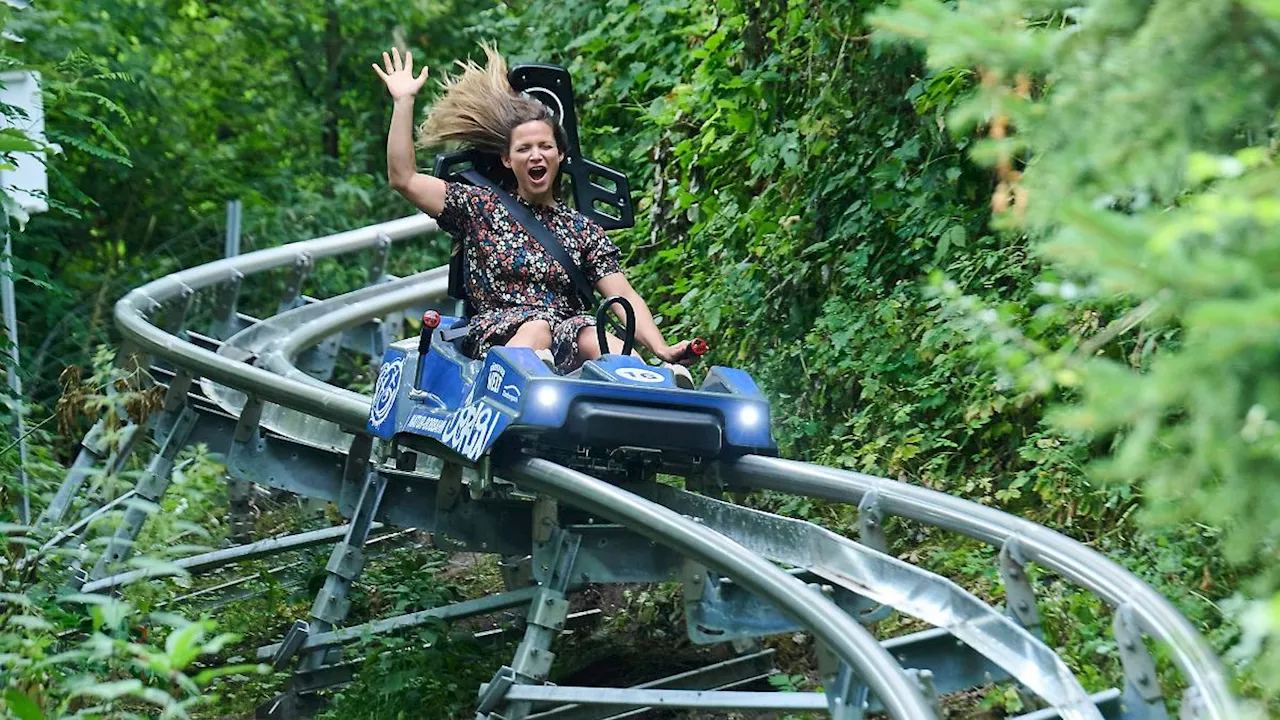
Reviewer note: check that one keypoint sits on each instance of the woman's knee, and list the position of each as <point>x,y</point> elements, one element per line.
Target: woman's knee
<point>534,334</point>
<point>588,344</point>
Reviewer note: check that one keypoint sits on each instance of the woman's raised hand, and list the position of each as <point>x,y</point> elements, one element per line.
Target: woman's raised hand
<point>398,74</point>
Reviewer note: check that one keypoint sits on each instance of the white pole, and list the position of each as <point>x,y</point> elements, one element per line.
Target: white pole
<point>27,182</point>
<point>15,380</point>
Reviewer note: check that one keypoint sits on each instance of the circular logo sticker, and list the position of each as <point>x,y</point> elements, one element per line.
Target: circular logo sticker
<point>384,392</point>
<point>639,375</point>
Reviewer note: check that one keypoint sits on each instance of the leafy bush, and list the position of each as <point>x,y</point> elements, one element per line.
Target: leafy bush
<point>1135,143</point>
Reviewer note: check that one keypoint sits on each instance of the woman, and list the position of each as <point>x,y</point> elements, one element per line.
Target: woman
<point>523,298</point>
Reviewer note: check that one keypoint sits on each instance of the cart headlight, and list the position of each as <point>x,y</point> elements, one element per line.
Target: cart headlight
<point>749,415</point>
<point>547,397</point>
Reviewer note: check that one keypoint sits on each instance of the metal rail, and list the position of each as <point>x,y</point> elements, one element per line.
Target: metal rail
<point>1069,558</point>
<point>133,311</point>
<point>281,383</point>
<point>1058,552</point>
<point>848,639</point>
<point>272,342</point>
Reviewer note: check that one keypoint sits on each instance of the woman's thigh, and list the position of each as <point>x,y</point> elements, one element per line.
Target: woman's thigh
<point>534,334</point>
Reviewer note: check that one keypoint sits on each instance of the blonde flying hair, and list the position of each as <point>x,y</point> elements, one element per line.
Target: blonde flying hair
<point>479,109</point>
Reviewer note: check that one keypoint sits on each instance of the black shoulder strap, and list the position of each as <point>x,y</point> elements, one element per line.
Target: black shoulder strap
<point>541,233</point>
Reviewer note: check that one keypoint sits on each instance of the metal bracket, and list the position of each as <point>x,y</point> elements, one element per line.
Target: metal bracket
<point>250,417</point>
<point>319,360</point>
<point>495,691</point>
<point>546,518</point>
<point>449,487</point>
<point>293,640</point>
<point>553,560</point>
<point>548,611</point>
<point>517,571</point>
<point>1017,589</point>
<point>532,664</point>
<point>346,562</point>
<point>246,435</point>
<point>924,679</point>
<point>292,296</point>
<point>1142,687</point>
<point>483,478</point>
<point>407,460</point>
<point>225,308</point>
<point>1192,704</point>
<point>847,699</point>
<point>870,523</point>
<point>871,534</point>
<point>179,387</point>
<point>177,312</point>
<point>331,605</point>
<point>694,578</point>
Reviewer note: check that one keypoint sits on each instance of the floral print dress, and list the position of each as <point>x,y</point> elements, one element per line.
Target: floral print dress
<point>511,279</point>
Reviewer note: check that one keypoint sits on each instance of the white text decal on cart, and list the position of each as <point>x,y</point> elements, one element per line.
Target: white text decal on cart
<point>468,430</point>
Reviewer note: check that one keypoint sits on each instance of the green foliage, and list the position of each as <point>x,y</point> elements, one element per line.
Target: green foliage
<point>1135,142</point>
<point>274,105</point>
<point>108,666</point>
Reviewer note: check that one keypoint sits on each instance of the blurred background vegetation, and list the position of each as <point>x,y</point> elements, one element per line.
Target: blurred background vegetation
<point>1021,251</point>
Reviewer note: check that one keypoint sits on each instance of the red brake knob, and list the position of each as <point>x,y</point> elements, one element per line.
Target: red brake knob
<point>431,319</point>
<point>698,347</point>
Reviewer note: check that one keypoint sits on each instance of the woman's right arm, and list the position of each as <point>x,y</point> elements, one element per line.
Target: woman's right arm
<point>425,191</point>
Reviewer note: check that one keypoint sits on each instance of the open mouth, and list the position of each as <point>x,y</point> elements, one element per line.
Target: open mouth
<point>537,173</point>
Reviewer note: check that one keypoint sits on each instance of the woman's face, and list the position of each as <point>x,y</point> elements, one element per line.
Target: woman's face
<point>534,158</point>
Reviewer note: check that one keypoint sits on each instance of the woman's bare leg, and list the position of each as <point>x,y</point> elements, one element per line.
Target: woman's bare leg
<point>535,334</point>
<point>589,345</point>
<point>589,349</point>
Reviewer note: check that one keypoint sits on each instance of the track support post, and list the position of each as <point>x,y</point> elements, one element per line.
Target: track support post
<point>151,487</point>
<point>378,263</point>
<point>1019,595</point>
<point>871,533</point>
<point>552,570</point>
<point>1143,698</point>
<point>315,666</point>
<point>94,450</point>
<point>847,698</point>
<point>239,512</point>
<point>1020,600</point>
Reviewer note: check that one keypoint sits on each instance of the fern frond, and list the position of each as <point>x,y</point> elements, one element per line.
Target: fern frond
<point>101,127</point>
<point>88,147</point>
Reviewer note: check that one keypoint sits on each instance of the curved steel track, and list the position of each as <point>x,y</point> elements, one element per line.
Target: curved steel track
<point>276,421</point>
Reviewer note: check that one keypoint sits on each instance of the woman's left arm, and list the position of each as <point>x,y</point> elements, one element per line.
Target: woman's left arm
<point>647,332</point>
